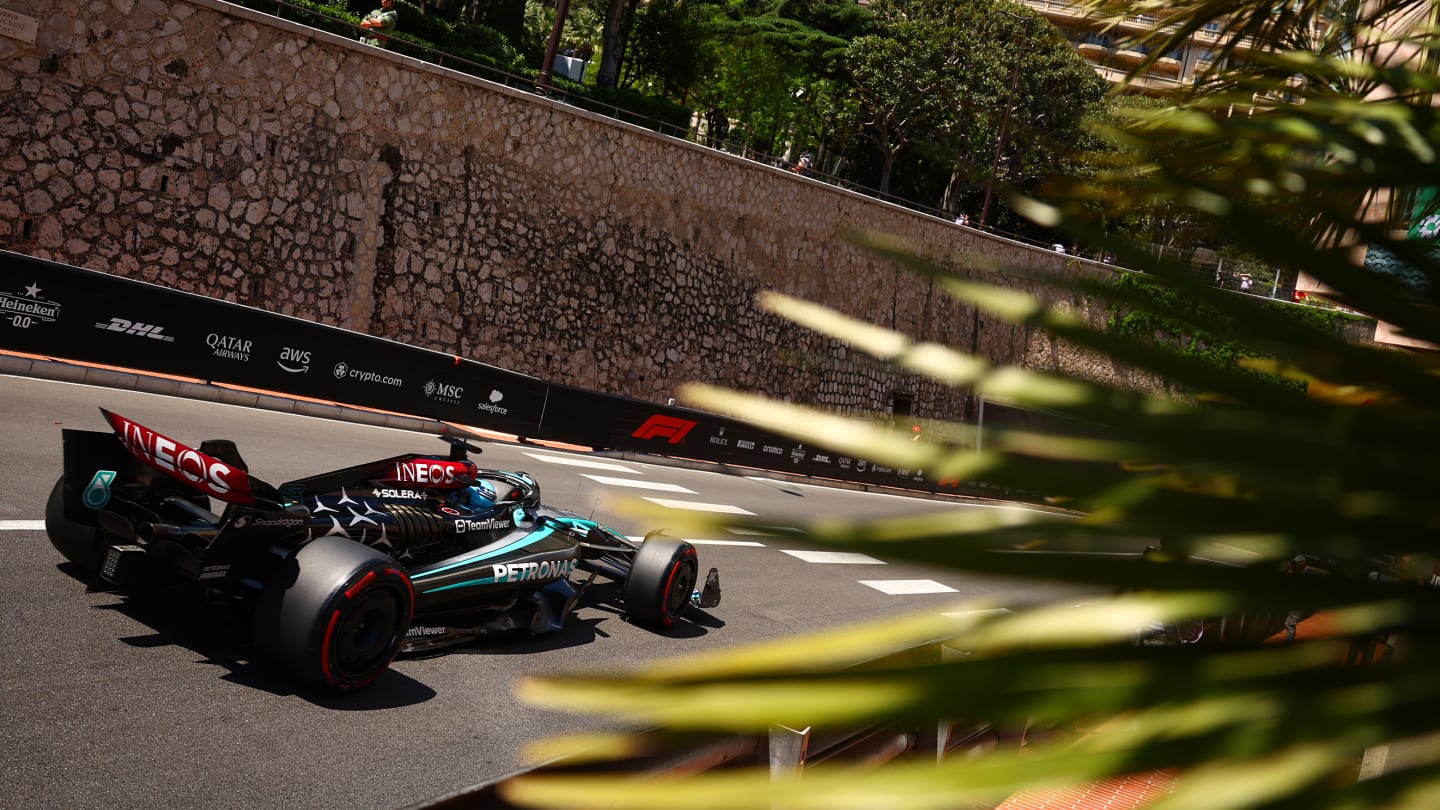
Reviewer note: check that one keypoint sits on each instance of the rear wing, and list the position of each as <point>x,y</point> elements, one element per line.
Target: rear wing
<point>226,480</point>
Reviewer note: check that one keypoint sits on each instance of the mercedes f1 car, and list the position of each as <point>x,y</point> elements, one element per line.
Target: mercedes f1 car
<point>342,571</point>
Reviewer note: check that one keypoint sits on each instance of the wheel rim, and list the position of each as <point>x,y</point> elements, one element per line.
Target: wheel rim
<point>364,633</point>
<point>682,583</point>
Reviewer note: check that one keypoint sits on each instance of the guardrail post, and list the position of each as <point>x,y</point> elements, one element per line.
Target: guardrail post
<point>788,748</point>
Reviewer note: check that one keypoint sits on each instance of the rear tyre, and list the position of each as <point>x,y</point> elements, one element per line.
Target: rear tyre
<point>662,577</point>
<point>79,543</point>
<point>335,614</point>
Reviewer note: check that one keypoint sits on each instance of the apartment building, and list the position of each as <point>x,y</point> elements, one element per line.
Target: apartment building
<point>1113,52</point>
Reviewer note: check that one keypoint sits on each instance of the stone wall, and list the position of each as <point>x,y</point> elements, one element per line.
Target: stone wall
<point>212,149</point>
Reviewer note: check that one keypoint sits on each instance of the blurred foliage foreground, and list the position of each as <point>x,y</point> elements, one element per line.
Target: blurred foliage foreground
<point>1248,466</point>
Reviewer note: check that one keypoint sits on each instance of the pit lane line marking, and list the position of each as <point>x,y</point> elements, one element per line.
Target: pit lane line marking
<point>22,525</point>
<point>696,506</point>
<point>655,486</point>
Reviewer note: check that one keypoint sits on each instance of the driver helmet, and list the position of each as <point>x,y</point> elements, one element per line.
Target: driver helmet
<point>476,497</point>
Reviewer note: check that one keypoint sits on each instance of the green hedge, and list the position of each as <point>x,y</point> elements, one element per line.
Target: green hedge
<point>1212,346</point>
<point>482,45</point>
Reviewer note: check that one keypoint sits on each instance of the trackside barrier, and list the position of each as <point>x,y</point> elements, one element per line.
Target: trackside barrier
<point>786,751</point>
<point>62,311</point>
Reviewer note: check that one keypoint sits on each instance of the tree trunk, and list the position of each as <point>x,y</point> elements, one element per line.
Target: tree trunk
<point>612,40</point>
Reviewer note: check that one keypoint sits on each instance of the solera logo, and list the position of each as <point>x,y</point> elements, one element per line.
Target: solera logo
<point>662,426</point>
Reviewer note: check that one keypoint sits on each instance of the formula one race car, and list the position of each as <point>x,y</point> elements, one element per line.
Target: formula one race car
<point>344,570</point>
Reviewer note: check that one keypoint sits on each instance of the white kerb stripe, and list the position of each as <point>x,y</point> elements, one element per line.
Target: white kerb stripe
<point>696,506</point>
<point>897,587</point>
<point>834,557</point>
<point>653,486</point>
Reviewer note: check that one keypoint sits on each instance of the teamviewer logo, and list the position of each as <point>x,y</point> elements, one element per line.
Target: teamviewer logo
<point>659,426</point>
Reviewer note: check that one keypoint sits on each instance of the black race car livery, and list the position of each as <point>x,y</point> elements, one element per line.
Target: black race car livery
<point>344,570</point>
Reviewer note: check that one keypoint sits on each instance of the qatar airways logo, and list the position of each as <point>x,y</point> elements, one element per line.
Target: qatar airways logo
<point>229,347</point>
<point>209,474</point>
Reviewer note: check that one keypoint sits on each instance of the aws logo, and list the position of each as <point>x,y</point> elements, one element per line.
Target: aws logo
<point>295,361</point>
<point>672,428</point>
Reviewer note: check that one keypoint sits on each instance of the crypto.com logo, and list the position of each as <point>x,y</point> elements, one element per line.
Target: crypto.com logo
<point>659,426</point>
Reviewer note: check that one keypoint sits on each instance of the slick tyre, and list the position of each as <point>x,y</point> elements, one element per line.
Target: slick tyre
<point>79,543</point>
<point>335,614</point>
<point>662,577</point>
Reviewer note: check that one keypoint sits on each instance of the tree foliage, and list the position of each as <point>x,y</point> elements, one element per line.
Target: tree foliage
<point>1237,469</point>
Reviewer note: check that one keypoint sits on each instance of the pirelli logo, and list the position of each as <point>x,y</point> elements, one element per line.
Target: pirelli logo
<point>671,428</point>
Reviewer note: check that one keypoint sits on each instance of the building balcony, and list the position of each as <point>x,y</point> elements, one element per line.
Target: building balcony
<point>1058,9</point>
<point>1129,56</point>
<point>1167,65</point>
<point>1093,50</point>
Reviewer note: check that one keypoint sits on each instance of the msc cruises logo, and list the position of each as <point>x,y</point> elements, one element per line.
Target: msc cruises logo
<point>444,392</point>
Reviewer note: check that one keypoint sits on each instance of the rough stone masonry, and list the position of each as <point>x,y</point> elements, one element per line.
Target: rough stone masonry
<point>216,150</point>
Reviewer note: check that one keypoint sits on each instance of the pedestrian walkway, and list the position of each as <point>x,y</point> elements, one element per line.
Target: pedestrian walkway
<point>1135,791</point>
<point>1119,793</point>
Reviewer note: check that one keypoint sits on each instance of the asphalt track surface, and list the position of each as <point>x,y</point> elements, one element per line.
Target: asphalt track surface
<point>146,702</point>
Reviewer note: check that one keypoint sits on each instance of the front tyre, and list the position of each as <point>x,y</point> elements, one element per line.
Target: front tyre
<point>334,614</point>
<point>79,543</point>
<point>662,577</point>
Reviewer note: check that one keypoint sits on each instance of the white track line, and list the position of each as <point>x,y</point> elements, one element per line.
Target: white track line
<point>700,542</point>
<point>654,486</point>
<point>696,506</point>
<point>834,557</point>
<point>22,525</point>
<point>571,461</point>
<point>899,587</point>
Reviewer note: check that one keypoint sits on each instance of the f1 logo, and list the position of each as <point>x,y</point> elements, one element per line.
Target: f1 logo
<point>659,426</point>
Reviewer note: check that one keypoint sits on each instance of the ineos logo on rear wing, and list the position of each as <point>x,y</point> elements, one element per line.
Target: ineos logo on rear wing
<point>183,463</point>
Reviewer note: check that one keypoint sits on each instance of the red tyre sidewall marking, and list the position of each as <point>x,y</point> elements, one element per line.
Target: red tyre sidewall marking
<point>350,594</point>
<point>326,652</point>
<point>665,617</point>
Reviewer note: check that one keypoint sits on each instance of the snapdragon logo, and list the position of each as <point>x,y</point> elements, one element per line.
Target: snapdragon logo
<point>492,405</point>
<point>343,371</point>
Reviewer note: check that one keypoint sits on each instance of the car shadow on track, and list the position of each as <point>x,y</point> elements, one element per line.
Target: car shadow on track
<point>600,605</point>
<point>220,636</point>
